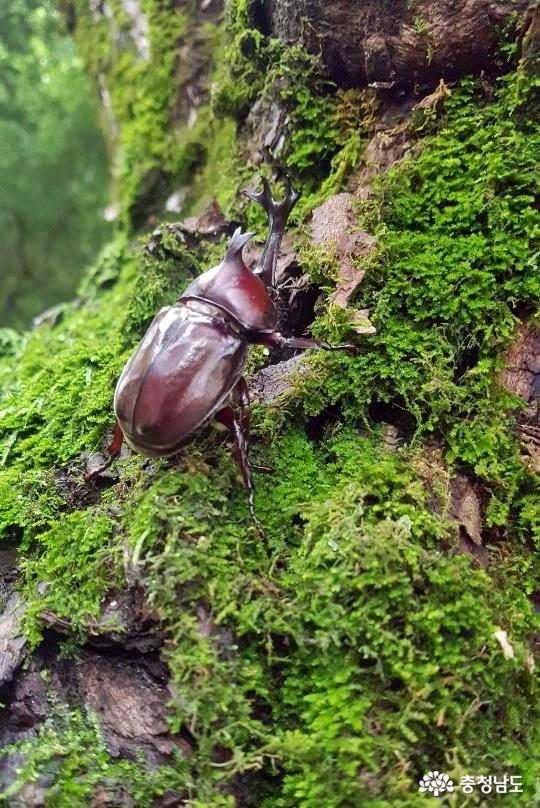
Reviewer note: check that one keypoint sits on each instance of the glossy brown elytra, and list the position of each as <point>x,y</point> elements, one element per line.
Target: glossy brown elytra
<point>188,367</point>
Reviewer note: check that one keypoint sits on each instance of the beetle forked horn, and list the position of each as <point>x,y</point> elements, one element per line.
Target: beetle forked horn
<point>237,242</point>
<point>272,207</point>
<point>277,213</point>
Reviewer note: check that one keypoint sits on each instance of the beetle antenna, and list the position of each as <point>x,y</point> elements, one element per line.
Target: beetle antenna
<point>237,243</point>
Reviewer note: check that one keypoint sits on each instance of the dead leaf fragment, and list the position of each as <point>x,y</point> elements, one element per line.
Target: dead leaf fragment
<point>210,221</point>
<point>361,323</point>
<point>270,382</point>
<point>349,279</point>
<point>465,507</point>
<point>334,225</point>
<point>502,638</point>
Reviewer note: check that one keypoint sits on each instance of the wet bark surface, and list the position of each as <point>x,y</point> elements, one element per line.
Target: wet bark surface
<point>396,45</point>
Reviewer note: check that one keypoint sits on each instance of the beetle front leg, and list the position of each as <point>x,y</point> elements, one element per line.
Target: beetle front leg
<point>278,340</point>
<point>112,450</point>
<point>278,213</point>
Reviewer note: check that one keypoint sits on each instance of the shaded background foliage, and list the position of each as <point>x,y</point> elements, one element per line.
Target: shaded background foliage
<point>53,163</point>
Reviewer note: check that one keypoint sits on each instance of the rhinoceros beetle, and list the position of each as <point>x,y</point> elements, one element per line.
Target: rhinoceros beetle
<point>188,367</point>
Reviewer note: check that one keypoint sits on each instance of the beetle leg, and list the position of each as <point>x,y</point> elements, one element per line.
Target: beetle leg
<point>278,340</point>
<point>278,213</point>
<point>112,450</point>
<point>242,394</point>
<point>228,417</point>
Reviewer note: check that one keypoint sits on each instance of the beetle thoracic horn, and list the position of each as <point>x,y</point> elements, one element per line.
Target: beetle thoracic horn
<point>237,241</point>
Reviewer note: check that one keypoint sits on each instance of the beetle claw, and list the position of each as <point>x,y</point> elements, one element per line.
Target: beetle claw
<point>260,529</point>
<point>262,469</point>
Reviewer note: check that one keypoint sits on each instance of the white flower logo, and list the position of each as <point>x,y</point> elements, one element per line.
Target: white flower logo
<point>435,782</point>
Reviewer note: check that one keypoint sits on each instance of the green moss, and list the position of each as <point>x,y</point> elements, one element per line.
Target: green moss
<point>246,60</point>
<point>71,577</point>
<point>58,409</point>
<point>219,177</point>
<point>330,621</point>
<point>71,751</point>
<point>359,576</point>
<point>326,131</point>
<point>155,153</point>
<point>457,262</point>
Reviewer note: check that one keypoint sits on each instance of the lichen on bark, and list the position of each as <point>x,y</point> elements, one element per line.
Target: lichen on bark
<point>402,515</point>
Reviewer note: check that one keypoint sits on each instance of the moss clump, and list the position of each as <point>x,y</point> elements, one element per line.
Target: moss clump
<point>374,679</point>
<point>53,568</point>
<point>365,637</point>
<point>457,265</point>
<point>71,751</point>
<point>246,60</point>
<point>56,408</point>
<point>155,153</point>
<point>326,130</point>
